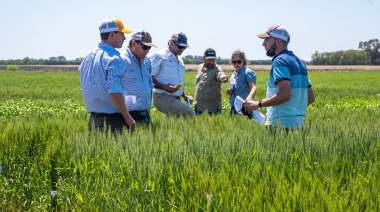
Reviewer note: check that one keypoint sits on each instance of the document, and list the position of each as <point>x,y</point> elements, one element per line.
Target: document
<point>238,104</point>
<point>255,114</point>
<point>130,100</point>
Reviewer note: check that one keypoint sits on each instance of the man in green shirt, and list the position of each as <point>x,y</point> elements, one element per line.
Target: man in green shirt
<point>210,76</point>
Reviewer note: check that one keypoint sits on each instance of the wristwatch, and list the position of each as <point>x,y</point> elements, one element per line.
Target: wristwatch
<point>260,103</point>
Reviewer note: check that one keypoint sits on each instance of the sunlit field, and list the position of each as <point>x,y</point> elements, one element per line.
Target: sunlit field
<point>48,161</point>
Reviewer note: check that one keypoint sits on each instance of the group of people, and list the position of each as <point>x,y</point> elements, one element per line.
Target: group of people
<point>119,88</point>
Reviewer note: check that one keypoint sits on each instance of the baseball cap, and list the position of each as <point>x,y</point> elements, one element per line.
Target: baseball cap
<point>112,25</point>
<point>180,38</point>
<point>143,37</point>
<point>277,31</point>
<point>210,54</point>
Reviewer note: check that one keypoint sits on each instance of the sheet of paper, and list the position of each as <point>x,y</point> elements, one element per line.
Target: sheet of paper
<point>130,100</point>
<point>257,116</point>
<point>238,104</point>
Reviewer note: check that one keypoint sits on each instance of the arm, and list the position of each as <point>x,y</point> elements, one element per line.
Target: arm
<point>118,101</point>
<point>170,88</point>
<point>310,96</point>
<point>284,94</point>
<point>251,94</point>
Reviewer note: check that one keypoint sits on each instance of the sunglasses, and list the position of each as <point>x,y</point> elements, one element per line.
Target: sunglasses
<point>143,46</point>
<point>180,47</point>
<point>236,61</point>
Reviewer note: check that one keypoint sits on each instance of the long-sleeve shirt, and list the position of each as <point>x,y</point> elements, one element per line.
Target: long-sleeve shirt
<point>100,75</point>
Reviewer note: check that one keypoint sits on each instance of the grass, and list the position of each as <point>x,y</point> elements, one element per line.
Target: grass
<point>217,163</point>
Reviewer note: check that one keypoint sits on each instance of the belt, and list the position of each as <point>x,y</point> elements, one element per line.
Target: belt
<point>177,97</point>
<point>104,114</point>
<point>139,111</point>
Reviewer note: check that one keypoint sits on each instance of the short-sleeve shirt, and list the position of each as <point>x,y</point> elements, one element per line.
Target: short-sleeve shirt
<point>100,75</point>
<point>208,88</point>
<point>168,70</point>
<point>137,81</point>
<point>242,77</point>
<point>289,114</point>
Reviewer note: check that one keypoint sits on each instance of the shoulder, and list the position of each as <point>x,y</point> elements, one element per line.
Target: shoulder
<point>219,68</point>
<point>164,54</point>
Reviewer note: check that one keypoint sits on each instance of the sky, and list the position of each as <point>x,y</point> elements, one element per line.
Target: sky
<point>70,28</point>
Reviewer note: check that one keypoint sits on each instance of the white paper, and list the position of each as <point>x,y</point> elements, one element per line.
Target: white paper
<point>130,100</point>
<point>238,104</point>
<point>257,116</point>
<point>232,81</point>
<point>53,193</point>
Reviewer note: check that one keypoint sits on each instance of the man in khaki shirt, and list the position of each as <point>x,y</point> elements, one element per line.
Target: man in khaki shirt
<point>210,76</point>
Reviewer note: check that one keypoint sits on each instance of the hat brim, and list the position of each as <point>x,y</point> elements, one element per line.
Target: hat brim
<point>126,30</point>
<point>263,35</point>
<point>183,44</point>
<point>149,44</point>
<point>210,57</point>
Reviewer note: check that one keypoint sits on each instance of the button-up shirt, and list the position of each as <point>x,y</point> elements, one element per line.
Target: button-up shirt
<point>100,75</point>
<point>137,80</point>
<point>243,76</point>
<point>168,70</point>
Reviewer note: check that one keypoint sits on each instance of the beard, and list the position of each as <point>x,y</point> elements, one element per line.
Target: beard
<point>271,50</point>
<point>210,65</point>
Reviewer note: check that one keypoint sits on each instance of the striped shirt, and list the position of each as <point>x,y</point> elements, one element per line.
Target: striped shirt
<point>100,75</point>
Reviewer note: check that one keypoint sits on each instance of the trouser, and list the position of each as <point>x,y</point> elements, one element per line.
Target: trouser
<point>102,122</point>
<point>197,112</point>
<point>141,116</point>
<point>171,105</point>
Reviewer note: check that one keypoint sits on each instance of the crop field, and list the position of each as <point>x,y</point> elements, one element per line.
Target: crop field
<point>48,161</point>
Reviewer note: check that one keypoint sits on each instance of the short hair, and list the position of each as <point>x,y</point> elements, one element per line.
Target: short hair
<point>105,35</point>
<point>241,54</point>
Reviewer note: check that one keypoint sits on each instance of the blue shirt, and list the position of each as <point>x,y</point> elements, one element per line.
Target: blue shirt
<point>289,114</point>
<point>168,70</point>
<point>100,75</point>
<point>241,88</point>
<point>137,81</point>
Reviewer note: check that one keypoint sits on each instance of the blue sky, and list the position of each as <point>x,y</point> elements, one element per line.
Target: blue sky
<point>45,28</point>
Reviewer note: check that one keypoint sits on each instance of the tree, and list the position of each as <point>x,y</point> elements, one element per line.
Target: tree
<point>372,47</point>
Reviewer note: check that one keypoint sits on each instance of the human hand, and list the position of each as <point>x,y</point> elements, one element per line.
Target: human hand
<point>223,78</point>
<point>170,88</point>
<point>131,123</point>
<point>229,91</point>
<point>250,105</point>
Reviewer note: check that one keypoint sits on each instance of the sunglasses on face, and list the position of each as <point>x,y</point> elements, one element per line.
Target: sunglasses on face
<point>143,46</point>
<point>180,47</point>
<point>236,61</point>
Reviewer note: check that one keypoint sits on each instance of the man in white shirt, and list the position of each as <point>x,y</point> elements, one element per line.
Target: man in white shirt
<point>168,72</point>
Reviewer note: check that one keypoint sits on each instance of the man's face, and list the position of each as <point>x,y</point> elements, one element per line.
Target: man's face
<point>175,48</point>
<point>140,50</point>
<point>270,46</point>
<point>118,38</point>
<point>209,63</point>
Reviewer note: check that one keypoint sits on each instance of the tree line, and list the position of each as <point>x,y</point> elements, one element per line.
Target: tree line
<point>368,54</point>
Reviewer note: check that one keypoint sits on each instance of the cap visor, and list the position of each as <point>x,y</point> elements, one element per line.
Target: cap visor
<point>210,57</point>
<point>149,44</point>
<point>263,35</point>
<point>126,30</point>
